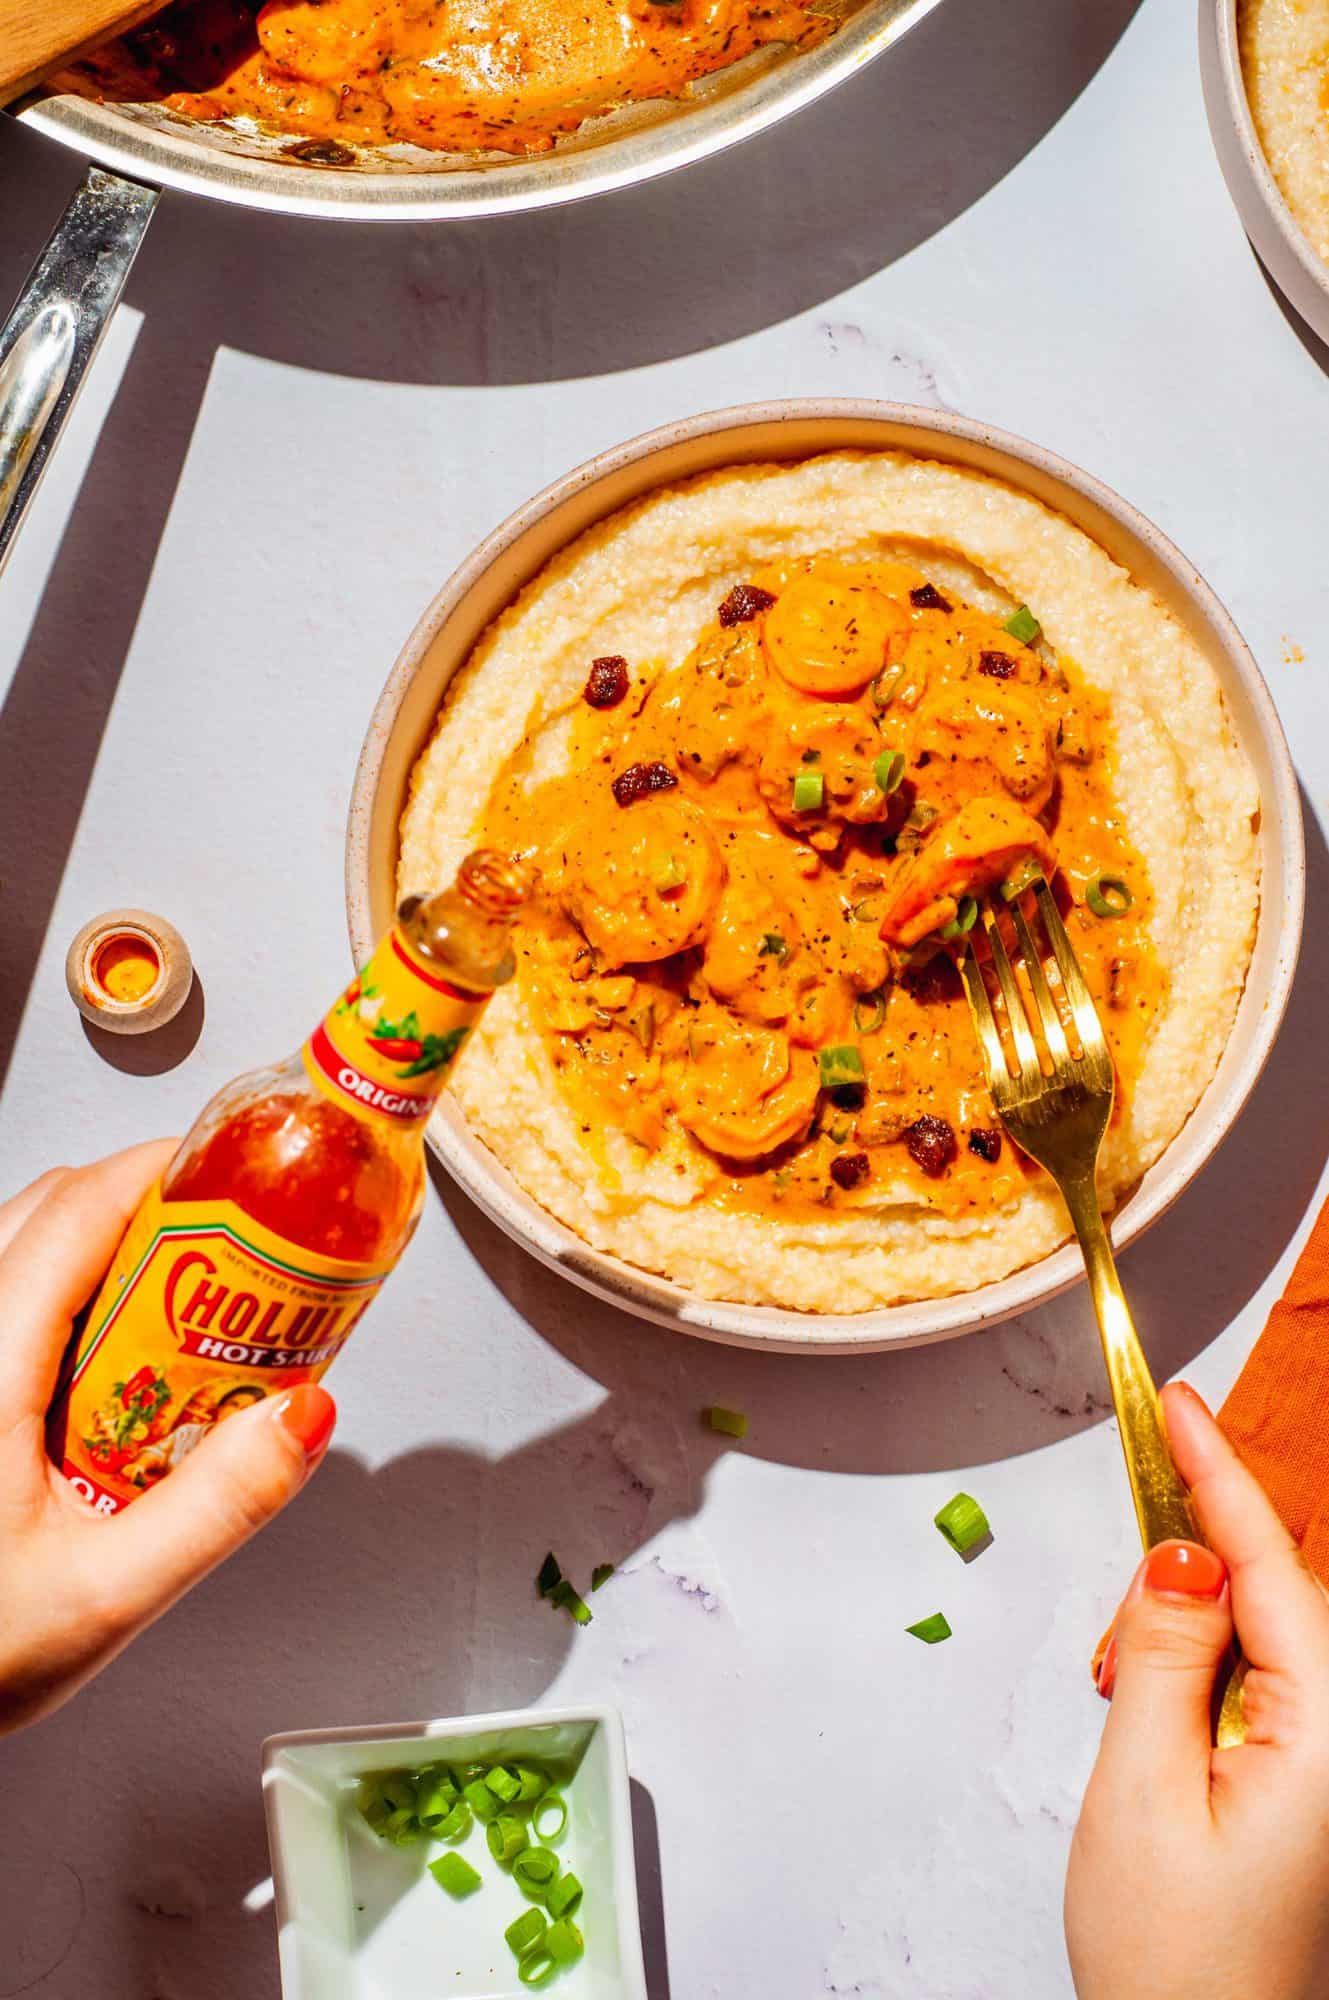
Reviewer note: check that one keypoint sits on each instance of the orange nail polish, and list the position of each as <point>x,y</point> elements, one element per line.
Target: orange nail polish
<point>1184,1569</point>
<point>1107,1673</point>
<point>308,1414</point>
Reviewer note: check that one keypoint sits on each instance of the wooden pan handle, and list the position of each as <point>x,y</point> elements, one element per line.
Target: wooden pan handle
<point>40,36</point>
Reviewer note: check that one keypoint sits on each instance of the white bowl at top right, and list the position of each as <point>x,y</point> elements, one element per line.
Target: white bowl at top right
<point>1291,259</point>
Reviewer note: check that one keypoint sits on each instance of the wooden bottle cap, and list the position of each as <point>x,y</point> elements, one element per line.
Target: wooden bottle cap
<point>129,972</point>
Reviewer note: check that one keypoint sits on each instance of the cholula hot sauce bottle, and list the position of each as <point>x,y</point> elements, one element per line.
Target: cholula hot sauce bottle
<point>291,1199</point>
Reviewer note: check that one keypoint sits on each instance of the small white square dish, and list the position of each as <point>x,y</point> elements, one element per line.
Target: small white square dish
<point>361,1919</point>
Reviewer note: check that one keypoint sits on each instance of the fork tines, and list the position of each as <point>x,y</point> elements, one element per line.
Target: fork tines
<point>1090,1061</point>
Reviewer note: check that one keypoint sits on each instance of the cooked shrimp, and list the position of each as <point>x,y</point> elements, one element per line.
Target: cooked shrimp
<point>966,853</point>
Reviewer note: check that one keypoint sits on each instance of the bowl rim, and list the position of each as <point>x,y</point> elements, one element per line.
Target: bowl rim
<point>778,1329</point>
<point>1279,240</point>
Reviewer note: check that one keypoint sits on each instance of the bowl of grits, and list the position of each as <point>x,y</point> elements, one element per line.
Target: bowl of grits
<point>770,697</point>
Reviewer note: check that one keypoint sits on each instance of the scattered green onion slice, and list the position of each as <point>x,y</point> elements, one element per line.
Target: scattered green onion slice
<point>564,1896</point>
<point>524,1931</point>
<point>839,1066</point>
<point>963,1523</point>
<point>398,1788</point>
<point>885,685</point>
<point>503,1783</point>
<point>966,916</point>
<point>436,1795</point>
<point>480,1799</point>
<point>870,1012</point>
<point>454,1874</point>
<point>550,1575</point>
<point>402,1827</point>
<point>870,910</point>
<point>1108,895</point>
<point>888,770</point>
<point>1023,625</point>
<point>533,1870</point>
<point>672,875</point>
<point>809,791</point>
<point>533,1784</point>
<point>730,1423</point>
<point>570,1600</point>
<point>1023,876</point>
<point>457,1824</point>
<point>930,1630</point>
<point>601,1574</point>
<point>552,1802</point>
<point>773,946</point>
<point>564,1942</point>
<point>507,1838</point>
<point>536,1967</point>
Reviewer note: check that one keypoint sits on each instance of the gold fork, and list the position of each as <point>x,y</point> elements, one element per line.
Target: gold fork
<point>1058,1115</point>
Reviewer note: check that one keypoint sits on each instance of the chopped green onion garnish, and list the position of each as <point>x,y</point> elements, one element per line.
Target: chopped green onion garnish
<point>773,946</point>
<point>549,1575</point>
<point>402,1827</point>
<point>840,1066</point>
<point>564,1896</point>
<point>533,1870</point>
<point>536,1967</point>
<point>564,1942</point>
<point>457,1824</point>
<point>455,1875</point>
<point>885,685</point>
<point>552,1804</point>
<point>569,1600</point>
<point>601,1574</point>
<point>963,1523</point>
<point>436,1795</point>
<point>507,1838</point>
<point>930,1630</point>
<point>1024,874</point>
<point>966,916</point>
<point>870,1012</point>
<point>888,770</point>
<point>525,1931</point>
<point>398,1789</point>
<point>870,910</point>
<point>672,875</point>
<point>809,791</point>
<point>1108,895</point>
<point>480,1799</point>
<point>730,1423</point>
<point>533,1784</point>
<point>1023,625</point>
<point>504,1784</point>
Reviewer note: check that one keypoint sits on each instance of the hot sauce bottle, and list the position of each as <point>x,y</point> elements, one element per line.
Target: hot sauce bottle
<point>250,1263</point>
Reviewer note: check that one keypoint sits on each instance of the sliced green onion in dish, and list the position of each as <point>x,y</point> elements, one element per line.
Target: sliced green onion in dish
<point>930,1630</point>
<point>672,875</point>
<point>480,1799</point>
<point>1023,876</point>
<point>885,686</point>
<point>507,1838</point>
<point>536,1967</point>
<point>503,1783</point>
<point>870,1012</point>
<point>773,946</point>
<point>549,1575</point>
<point>398,1788</point>
<point>534,1869</point>
<point>552,1805</point>
<point>963,1523</point>
<point>532,1784</point>
<point>403,1827</point>
<point>564,1942</point>
<point>1108,895</point>
<point>1023,625</point>
<point>888,770</point>
<point>570,1600</point>
<point>601,1574</point>
<point>457,1824</point>
<point>729,1423</point>
<point>435,1797</point>
<point>525,1931</point>
<point>564,1896</point>
<point>966,916</point>
<point>809,791</point>
<point>839,1066</point>
<point>454,1874</point>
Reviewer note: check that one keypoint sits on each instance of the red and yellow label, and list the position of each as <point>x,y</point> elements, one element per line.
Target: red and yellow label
<point>387,1046</point>
<point>202,1314</point>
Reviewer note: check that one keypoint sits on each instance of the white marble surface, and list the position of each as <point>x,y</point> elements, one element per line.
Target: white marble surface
<point>293,434</point>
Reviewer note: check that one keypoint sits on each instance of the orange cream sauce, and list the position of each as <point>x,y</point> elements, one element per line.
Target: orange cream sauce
<point>509,75</point>
<point>699,949</point>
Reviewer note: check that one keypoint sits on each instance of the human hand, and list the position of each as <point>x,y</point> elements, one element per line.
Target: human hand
<point>75,1587</point>
<point>1195,1873</point>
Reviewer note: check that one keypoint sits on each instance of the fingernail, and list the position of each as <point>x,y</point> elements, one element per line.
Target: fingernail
<point>1107,1672</point>
<point>1184,1569</point>
<point>1193,1395</point>
<point>308,1415</point>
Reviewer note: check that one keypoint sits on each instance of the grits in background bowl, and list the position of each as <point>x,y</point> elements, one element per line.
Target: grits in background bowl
<point>768,727</point>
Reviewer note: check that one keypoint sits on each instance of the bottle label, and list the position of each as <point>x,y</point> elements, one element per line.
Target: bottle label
<point>386,1047</point>
<point>203,1313</point>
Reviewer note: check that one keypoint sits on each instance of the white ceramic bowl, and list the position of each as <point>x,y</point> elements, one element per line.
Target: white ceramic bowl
<point>1290,260</point>
<point>358,1919</point>
<point>489,579</point>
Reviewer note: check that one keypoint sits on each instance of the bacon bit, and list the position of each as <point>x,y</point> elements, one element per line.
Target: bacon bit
<point>848,1170</point>
<point>931,1144</point>
<point>986,1143</point>
<point>928,598</point>
<point>640,780</point>
<point>607,682</point>
<point>743,603</point>
<point>1000,665</point>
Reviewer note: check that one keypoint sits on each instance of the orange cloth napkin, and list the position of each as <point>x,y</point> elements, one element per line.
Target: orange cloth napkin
<point>1278,1414</point>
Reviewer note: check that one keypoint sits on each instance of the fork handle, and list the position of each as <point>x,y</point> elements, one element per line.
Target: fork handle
<point>1162,1503</point>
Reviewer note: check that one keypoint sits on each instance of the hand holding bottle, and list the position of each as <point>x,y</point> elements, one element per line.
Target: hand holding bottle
<point>75,1586</point>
